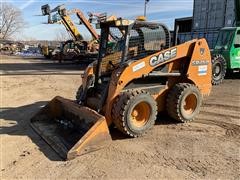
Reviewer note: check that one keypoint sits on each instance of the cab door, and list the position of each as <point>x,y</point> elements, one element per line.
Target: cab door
<point>235,51</point>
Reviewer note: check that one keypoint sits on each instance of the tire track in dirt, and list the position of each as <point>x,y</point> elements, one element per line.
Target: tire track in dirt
<point>218,116</point>
<point>154,154</point>
<point>225,116</point>
<point>221,112</point>
<point>231,130</point>
<point>222,106</point>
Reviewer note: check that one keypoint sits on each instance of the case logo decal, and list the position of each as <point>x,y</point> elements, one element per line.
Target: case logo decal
<point>162,57</point>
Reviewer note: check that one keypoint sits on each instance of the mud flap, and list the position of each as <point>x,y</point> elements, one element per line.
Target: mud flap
<point>70,129</point>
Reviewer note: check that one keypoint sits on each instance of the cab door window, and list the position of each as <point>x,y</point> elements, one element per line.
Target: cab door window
<point>224,40</point>
<point>237,40</point>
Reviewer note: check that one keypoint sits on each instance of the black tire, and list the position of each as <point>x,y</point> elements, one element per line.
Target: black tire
<point>219,68</point>
<point>180,94</point>
<point>79,94</point>
<point>126,105</point>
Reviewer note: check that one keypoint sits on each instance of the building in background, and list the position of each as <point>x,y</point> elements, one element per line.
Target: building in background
<point>209,16</point>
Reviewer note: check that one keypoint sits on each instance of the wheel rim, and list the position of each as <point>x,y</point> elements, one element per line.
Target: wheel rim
<point>190,103</point>
<point>217,70</point>
<point>140,114</point>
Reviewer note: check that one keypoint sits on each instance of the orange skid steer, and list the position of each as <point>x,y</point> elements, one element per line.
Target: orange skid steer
<point>136,76</point>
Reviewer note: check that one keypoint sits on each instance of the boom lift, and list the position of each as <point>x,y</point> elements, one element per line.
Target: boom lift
<point>127,86</point>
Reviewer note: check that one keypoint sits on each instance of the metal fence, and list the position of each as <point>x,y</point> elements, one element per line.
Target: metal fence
<point>210,36</point>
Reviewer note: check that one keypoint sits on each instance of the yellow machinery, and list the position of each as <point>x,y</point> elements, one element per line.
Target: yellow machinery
<point>128,85</point>
<point>77,47</point>
<point>47,50</point>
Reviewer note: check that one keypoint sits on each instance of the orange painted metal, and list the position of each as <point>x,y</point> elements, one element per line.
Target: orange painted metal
<point>187,53</point>
<point>196,50</point>
<point>140,114</point>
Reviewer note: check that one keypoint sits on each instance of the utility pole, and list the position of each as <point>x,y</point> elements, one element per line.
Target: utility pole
<point>145,7</point>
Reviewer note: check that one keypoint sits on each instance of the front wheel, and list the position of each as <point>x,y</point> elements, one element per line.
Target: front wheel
<point>219,67</point>
<point>134,112</point>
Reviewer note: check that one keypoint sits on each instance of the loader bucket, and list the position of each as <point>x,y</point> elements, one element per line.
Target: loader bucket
<point>71,129</point>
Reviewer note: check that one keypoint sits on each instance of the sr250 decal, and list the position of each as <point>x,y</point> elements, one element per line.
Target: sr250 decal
<point>162,57</point>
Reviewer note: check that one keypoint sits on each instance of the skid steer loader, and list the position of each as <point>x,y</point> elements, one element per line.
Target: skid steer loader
<point>133,80</point>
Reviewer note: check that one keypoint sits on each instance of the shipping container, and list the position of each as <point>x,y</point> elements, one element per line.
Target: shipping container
<point>209,16</point>
<point>213,14</point>
<point>184,24</point>
<point>181,25</point>
<point>237,9</point>
<point>210,36</point>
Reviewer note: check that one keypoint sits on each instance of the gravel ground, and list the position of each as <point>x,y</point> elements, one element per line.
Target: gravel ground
<point>208,148</point>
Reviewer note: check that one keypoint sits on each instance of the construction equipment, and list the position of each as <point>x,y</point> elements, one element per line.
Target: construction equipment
<point>46,51</point>
<point>77,48</point>
<point>128,85</point>
<point>11,47</point>
<point>226,54</point>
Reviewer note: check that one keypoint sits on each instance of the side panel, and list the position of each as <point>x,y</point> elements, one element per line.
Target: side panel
<point>200,67</point>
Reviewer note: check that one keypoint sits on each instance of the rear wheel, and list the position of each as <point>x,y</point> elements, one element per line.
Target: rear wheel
<point>134,112</point>
<point>219,67</point>
<point>183,102</point>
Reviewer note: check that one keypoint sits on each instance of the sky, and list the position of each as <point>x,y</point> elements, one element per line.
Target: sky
<point>164,11</point>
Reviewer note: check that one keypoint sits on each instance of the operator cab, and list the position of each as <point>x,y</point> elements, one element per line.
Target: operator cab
<point>123,41</point>
<point>228,45</point>
<point>225,38</point>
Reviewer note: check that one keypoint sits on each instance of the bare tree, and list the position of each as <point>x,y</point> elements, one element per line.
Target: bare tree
<point>62,35</point>
<point>11,20</point>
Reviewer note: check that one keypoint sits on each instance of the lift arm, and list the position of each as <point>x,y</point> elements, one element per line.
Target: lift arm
<point>84,20</point>
<point>68,23</point>
<point>71,28</point>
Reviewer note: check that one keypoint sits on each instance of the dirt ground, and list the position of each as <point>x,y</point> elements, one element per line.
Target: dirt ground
<point>208,148</point>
